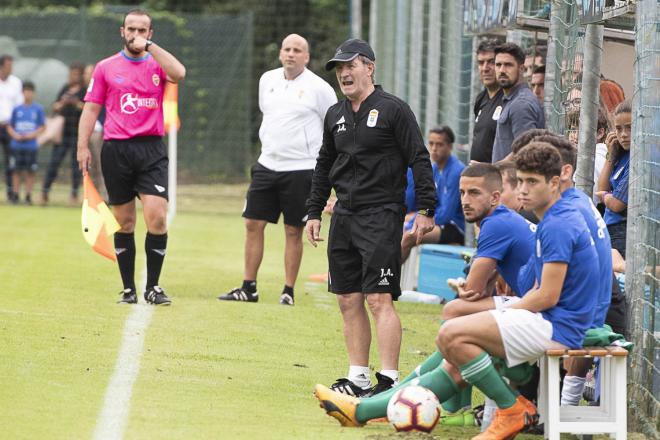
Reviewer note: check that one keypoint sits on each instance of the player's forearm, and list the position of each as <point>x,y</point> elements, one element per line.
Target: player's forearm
<point>172,67</point>
<point>88,119</point>
<point>534,301</point>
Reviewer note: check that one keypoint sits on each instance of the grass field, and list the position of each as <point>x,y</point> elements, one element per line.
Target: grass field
<point>209,369</point>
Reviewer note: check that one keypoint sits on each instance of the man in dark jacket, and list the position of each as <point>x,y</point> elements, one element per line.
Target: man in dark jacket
<point>369,140</point>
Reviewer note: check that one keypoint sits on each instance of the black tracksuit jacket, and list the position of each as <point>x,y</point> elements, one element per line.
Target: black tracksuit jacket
<point>365,157</point>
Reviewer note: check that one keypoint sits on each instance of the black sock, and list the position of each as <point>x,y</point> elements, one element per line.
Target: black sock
<point>249,286</point>
<point>288,290</point>
<point>125,251</point>
<point>155,247</point>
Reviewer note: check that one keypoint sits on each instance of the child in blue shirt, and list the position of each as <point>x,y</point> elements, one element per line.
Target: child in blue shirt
<point>27,122</point>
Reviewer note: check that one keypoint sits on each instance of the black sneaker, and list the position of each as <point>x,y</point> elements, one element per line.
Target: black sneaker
<point>384,383</point>
<point>346,386</point>
<point>128,296</point>
<point>156,295</point>
<point>240,294</point>
<point>286,299</point>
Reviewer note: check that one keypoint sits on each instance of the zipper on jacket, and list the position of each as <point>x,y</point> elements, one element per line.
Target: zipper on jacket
<point>350,193</point>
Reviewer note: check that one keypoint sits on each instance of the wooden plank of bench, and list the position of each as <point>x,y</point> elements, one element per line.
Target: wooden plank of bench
<point>597,351</point>
<point>579,352</point>
<point>555,352</point>
<point>617,351</point>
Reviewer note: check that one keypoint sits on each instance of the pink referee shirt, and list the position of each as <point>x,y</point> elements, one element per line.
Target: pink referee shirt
<point>131,89</point>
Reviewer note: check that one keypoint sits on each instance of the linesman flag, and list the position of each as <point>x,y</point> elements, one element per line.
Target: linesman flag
<point>98,223</point>
<point>171,106</point>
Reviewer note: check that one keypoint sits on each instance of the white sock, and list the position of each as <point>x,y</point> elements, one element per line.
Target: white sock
<point>392,374</point>
<point>360,376</point>
<point>571,393</point>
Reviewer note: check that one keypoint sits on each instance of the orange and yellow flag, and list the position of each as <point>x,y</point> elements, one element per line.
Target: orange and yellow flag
<point>171,106</point>
<point>98,223</point>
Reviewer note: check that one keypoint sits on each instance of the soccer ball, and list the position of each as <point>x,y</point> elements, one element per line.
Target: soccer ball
<point>413,408</point>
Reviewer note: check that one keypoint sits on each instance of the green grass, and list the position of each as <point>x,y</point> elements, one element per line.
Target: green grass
<point>209,369</point>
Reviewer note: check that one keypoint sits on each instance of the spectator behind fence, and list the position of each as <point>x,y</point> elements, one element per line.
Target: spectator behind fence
<point>537,83</point>
<point>487,106</point>
<point>449,222</point>
<point>11,95</point>
<point>369,141</point>
<point>602,128</point>
<point>27,122</point>
<point>293,101</point>
<point>613,181</point>
<point>521,109</point>
<point>69,104</point>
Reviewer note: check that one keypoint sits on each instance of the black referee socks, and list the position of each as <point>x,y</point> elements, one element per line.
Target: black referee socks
<point>125,251</point>
<point>155,247</point>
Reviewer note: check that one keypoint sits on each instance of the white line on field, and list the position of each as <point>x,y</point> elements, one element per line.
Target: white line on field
<point>111,422</point>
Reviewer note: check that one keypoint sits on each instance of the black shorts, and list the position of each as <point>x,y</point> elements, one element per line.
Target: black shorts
<point>451,235</point>
<point>134,166</point>
<point>364,253</point>
<point>23,160</point>
<point>617,313</point>
<point>274,192</point>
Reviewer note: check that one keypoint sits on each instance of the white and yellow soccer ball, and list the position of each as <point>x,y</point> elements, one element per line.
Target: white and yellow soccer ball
<point>413,408</point>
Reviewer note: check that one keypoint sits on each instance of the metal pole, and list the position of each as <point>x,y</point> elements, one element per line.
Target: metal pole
<point>593,51</point>
<point>400,49</point>
<point>416,49</point>
<point>453,20</point>
<point>356,18</point>
<point>373,25</point>
<point>433,65</point>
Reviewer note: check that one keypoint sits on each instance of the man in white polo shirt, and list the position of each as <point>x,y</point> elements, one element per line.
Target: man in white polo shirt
<point>11,96</point>
<point>293,101</point>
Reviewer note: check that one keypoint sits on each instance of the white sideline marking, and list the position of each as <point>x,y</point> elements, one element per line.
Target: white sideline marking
<point>111,422</point>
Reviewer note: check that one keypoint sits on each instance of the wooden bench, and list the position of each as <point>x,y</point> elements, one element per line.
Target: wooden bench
<point>610,417</point>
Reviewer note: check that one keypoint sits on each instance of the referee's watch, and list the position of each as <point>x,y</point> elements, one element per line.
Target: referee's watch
<point>148,43</point>
<point>427,212</point>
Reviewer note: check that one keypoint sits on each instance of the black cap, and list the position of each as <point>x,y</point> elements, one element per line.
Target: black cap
<point>349,50</point>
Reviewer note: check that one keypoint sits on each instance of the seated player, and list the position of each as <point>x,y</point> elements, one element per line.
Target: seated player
<point>554,315</point>
<point>449,222</point>
<point>506,242</point>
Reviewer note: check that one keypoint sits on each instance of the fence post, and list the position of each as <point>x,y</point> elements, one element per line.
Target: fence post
<point>593,51</point>
<point>643,237</point>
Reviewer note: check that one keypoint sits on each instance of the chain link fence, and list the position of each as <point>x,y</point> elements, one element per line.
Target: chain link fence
<point>643,247</point>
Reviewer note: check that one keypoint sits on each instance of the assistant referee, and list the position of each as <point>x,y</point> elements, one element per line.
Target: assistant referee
<point>130,84</point>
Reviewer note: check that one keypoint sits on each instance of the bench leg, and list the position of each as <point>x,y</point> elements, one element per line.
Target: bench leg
<point>620,403</point>
<point>552,401</point>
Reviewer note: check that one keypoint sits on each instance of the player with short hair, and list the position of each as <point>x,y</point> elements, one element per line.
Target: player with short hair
<point>130,84</point>
<point>449,225</point>
<point>293,100</point>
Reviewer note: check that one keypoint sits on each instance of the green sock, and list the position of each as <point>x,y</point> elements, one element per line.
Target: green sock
<point>481,373</point>
<point>430,364</point>
<point>459,401</point>
<point>438,381</point>
<point>520,374</point>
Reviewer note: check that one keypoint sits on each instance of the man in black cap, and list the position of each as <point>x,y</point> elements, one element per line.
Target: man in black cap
<point>369,141</point>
